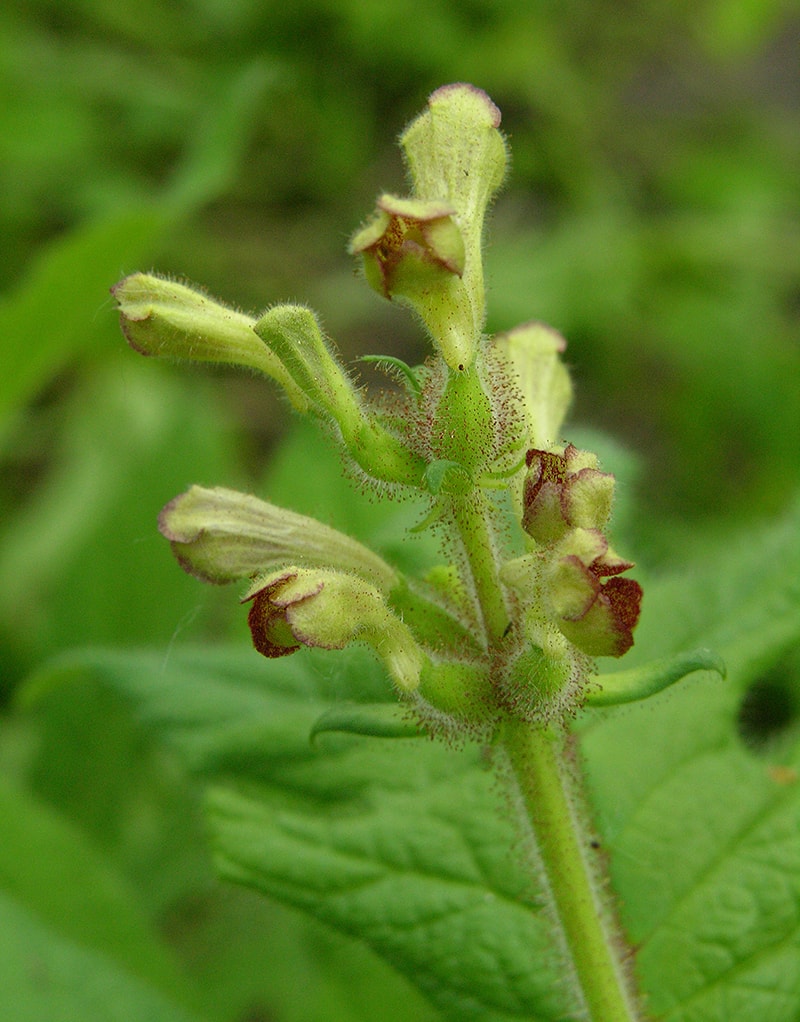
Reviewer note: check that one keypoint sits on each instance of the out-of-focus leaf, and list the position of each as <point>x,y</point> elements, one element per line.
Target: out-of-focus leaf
<point>45,975</point>
<point>246,714</point>
<point>219,141</point>
<point>81,559</point>
<point>73,942</point>
<point>57,311</point>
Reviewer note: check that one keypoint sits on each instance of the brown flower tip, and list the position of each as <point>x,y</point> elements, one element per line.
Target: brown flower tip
<point>595,608</point>
<point>271,613</point>
<point>564,490</point>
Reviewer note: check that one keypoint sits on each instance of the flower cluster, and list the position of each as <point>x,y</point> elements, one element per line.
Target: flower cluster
<point>511,622</point>
<point>567,504</point>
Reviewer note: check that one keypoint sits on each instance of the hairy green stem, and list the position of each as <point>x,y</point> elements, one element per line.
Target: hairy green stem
<point>535,763</point>
<point>472,521</point>
<point>541,783</point>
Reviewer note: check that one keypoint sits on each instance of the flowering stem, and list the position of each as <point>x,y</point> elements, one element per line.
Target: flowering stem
<point>533,759</point>
<point>541,785</point>
<point>473,527</point>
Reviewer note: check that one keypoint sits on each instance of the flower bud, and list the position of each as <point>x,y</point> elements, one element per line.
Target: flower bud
<point>455,152</point>
<point>222,536</point>
<point>329,609</point>
<point>427,249</point>
<point>563,491</point>
<point>169,320</point>
<point>413,250</point>
<point>533,352</point>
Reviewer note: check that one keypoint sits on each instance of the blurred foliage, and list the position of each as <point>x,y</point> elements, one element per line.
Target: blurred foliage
<point>652,215</point>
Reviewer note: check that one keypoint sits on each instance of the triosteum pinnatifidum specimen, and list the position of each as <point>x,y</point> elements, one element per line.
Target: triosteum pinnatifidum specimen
<point>499,643</point>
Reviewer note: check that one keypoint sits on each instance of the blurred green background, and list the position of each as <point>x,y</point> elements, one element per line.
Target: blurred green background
<point>651,215</point>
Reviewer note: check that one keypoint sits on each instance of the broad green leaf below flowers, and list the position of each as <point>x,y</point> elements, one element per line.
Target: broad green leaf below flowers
<point>408,846</point>
<point>697,790</point>
<point>401,843</point>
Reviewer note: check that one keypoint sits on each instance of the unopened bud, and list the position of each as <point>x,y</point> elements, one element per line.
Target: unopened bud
<point>533,353</point>
<point>456,152</point>
<point>169,320</point>
<point>221,536</point>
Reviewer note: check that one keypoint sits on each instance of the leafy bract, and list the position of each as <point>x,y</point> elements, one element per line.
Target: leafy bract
<point>407,844</point>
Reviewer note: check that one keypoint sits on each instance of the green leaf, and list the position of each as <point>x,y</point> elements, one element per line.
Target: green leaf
<point>433,889</point>
<point>701,828</point>
<point>447,903</point>
<point>73,942</point>
<point>220,137</point>
<point>57,309</point>
<point>81,557</point>
<point>227,710</point>
<point>44,975</point>
<point>238,951</point>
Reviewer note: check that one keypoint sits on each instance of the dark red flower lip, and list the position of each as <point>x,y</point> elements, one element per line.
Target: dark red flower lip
<point>270,616</point>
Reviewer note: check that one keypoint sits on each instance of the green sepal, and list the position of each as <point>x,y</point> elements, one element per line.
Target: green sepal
<point>463,427</point>
<point>377,720</point>
<point>641,682</point>
<point>445,476</point>
<point>429,618</point>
